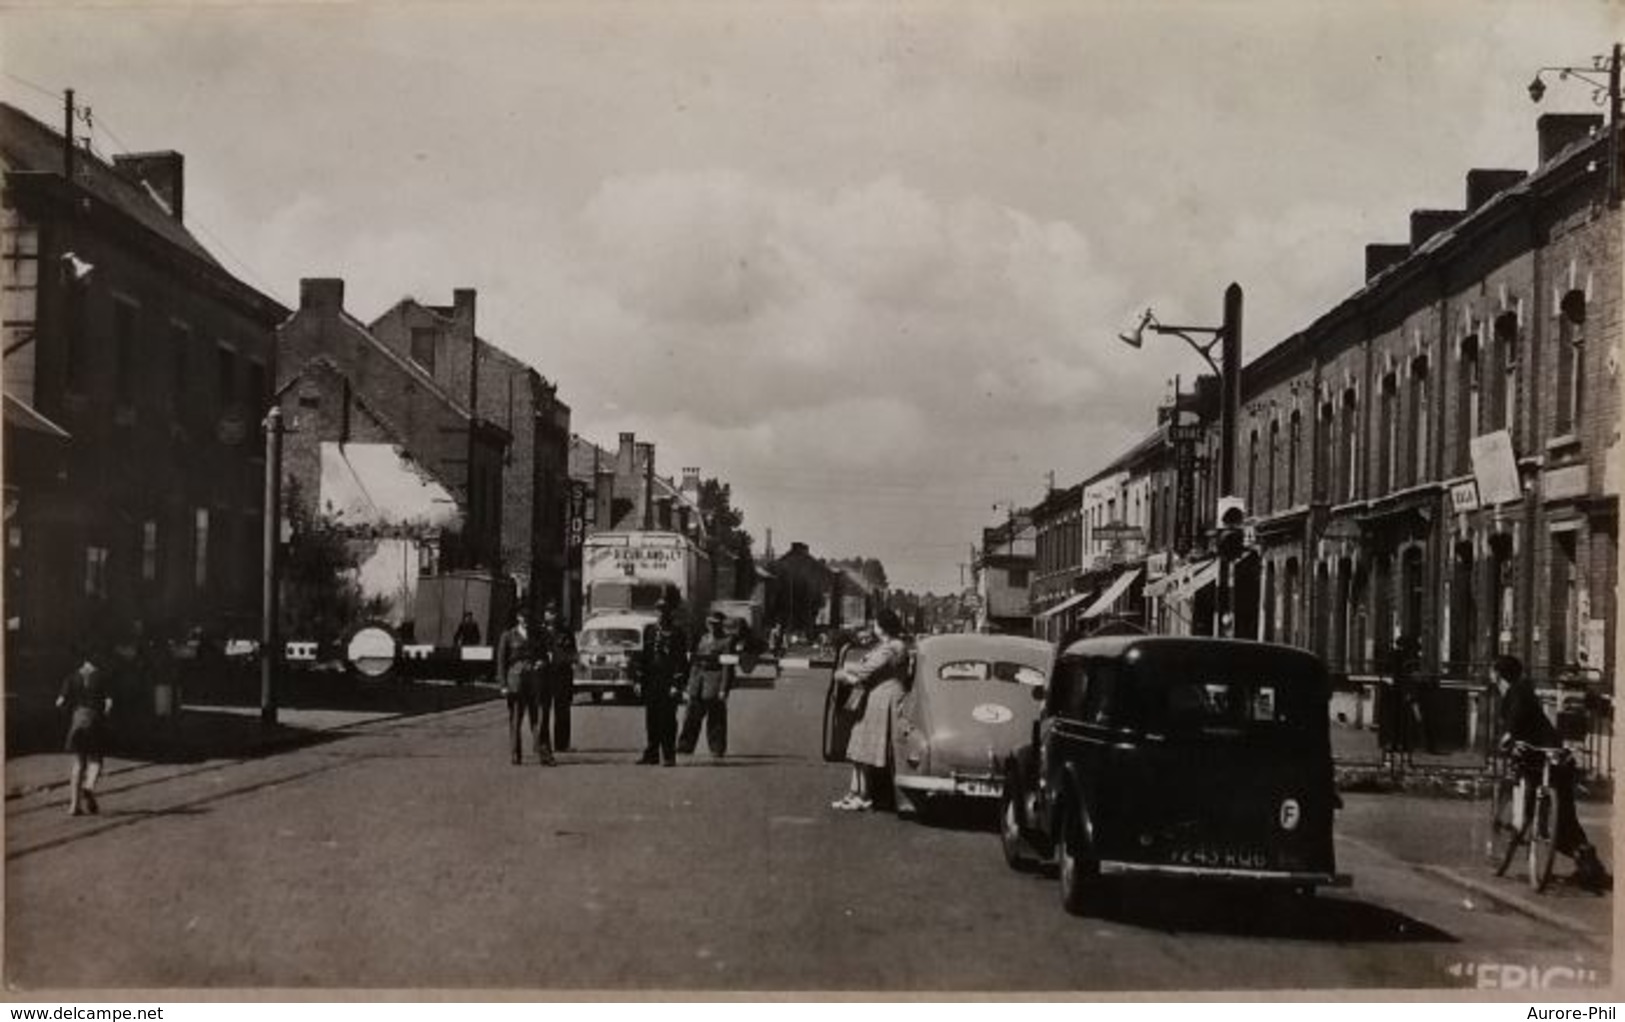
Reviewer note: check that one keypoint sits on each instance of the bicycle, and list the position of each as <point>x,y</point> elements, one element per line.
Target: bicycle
<point>1524,813</point>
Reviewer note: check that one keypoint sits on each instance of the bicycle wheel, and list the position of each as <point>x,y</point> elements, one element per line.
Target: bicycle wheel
<point>1504,836</point>
<point>1542,838</point>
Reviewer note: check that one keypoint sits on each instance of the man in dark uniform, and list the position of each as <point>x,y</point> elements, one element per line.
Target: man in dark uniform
<point>662,672</point>
<point>708,690</point>
<point>1523,720</point>
<point>516,673</point>
<point>556,655</point>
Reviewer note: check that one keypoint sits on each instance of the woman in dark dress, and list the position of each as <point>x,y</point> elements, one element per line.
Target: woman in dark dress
<point>85,694</point>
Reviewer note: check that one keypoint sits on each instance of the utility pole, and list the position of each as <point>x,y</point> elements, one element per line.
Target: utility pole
<point>67,135</point>
<point>269,653</point>
<point>1229,415</point>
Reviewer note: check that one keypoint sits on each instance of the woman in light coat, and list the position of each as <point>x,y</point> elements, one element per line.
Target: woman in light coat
<point>881,674</point>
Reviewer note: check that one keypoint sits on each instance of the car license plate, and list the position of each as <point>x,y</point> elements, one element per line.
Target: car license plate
<point>1219,857</point>
<point>977,789</point>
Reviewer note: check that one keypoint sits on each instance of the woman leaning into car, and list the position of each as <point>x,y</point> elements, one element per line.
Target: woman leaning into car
<point>880,674</point>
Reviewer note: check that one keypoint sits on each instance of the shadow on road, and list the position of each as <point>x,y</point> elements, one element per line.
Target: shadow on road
<point>1193,908</point>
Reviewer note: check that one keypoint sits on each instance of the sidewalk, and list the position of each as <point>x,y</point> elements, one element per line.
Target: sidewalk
<point>1447,840</point>
<point>203,733</point>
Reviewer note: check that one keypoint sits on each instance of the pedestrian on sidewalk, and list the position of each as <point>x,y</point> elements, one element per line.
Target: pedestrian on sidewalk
<point>663,667</point>
<point>708,690</point>
<point>1523,720</point>
<point>85,695</point>
<point>468,631</point>
<point>556,659</point>
<point>516,671</point>
<point>880,675</point>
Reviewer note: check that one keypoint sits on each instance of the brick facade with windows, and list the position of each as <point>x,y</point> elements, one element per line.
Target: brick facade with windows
<point>122,437</point>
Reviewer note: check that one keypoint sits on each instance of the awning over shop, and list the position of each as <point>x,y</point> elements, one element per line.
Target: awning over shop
<point>1066,604</point>
<point>21,415</point>
<point>1113,593</point>
<point>378,486</point>
<point>1194,580</point>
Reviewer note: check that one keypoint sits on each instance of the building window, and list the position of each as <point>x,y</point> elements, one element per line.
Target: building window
<point>226,375</point>
<point>1294,442</point>
<point>1570,361</point>
<point>1018,578</point>
<point>257,398</point>
<point>423,343</point>
<point>1274,456</point>
<point>1467,404</point>
<point>1505,415</point>
<point>1502,607</point>
<point>1289,602</point>
<point>125,315</point>
<point>1388,430</point>
<point>1421,423</point>
<point>1350,476</point>
<point>149,551</point>
<point>180,343</point>
<point>1322,486</point>
<point>96,572</point>
<point>76,349</point>
<point>1252,471</point>
<point>1564,622</point>
<point>200,548</point>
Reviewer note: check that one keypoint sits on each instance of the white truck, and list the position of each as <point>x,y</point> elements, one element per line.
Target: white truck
<point>623,577</point>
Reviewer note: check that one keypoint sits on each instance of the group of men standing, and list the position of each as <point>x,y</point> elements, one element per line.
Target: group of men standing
<point>536,669</point>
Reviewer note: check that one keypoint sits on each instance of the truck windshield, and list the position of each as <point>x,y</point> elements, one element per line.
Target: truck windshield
<point>626,595</point>
<point>610,638</point>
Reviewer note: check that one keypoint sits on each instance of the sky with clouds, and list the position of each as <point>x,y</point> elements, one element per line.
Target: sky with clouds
<point>866,262</point>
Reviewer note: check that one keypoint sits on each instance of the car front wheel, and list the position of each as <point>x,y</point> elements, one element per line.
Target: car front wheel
<point>1080,873</point>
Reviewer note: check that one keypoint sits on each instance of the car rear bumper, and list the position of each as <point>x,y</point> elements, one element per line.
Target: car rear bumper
<point>1284,878</point>
<point>959,787</point>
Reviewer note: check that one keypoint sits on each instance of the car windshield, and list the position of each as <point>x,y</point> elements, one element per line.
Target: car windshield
<point>610,638</point>
<point>990,670</point>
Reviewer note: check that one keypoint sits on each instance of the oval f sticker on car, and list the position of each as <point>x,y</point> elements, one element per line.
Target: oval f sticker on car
<point>992,713</point>
<point>1290,814</point>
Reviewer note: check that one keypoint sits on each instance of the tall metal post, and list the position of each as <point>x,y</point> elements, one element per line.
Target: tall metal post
<point>269,651</point>
<point>1229,415</point>
<point>1613,127</point>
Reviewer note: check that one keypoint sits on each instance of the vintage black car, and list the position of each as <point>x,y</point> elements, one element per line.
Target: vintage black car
<point>1194,758</point>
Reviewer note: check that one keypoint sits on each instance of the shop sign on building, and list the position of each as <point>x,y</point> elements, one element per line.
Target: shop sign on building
<point>1464,497</point>
<point>1495,469</point>
<point>1565,483</point>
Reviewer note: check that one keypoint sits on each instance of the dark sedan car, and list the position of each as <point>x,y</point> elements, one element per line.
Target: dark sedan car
<point>1187,758</point>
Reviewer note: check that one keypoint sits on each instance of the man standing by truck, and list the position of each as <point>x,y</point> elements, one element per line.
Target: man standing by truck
<point>662,672</point>
<point>516,672</point>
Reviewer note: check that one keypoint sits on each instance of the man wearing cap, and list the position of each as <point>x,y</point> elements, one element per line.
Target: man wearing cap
<point>556,649</point>
<point>662,672</point>
<point>708,690</point>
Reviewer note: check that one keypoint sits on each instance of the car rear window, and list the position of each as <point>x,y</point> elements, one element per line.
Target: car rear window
<point>990,670</point>
<point>1198,703</point>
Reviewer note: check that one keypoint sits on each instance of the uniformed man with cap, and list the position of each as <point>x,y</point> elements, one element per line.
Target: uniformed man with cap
<point>708,680</point>
<point>663,666</point>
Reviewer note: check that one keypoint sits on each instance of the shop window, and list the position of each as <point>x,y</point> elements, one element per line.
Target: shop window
<point>1463,610</point>
<point>1563,622</point>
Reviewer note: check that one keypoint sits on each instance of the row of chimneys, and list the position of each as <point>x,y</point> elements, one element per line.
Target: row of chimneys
<point>635,459</point>
<point>1555,133</point>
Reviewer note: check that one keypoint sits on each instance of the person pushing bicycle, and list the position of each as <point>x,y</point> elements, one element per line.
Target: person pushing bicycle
<point>1523,721</point>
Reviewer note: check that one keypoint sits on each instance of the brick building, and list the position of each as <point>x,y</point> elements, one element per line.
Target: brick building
<point>443,341</point>
<point>137,371</point>
<point>1004,569</point>
<point>337,383</point>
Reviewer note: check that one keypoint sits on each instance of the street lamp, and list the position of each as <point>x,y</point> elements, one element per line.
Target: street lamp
<point>1226,337</point>
<point>1601,92</point>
